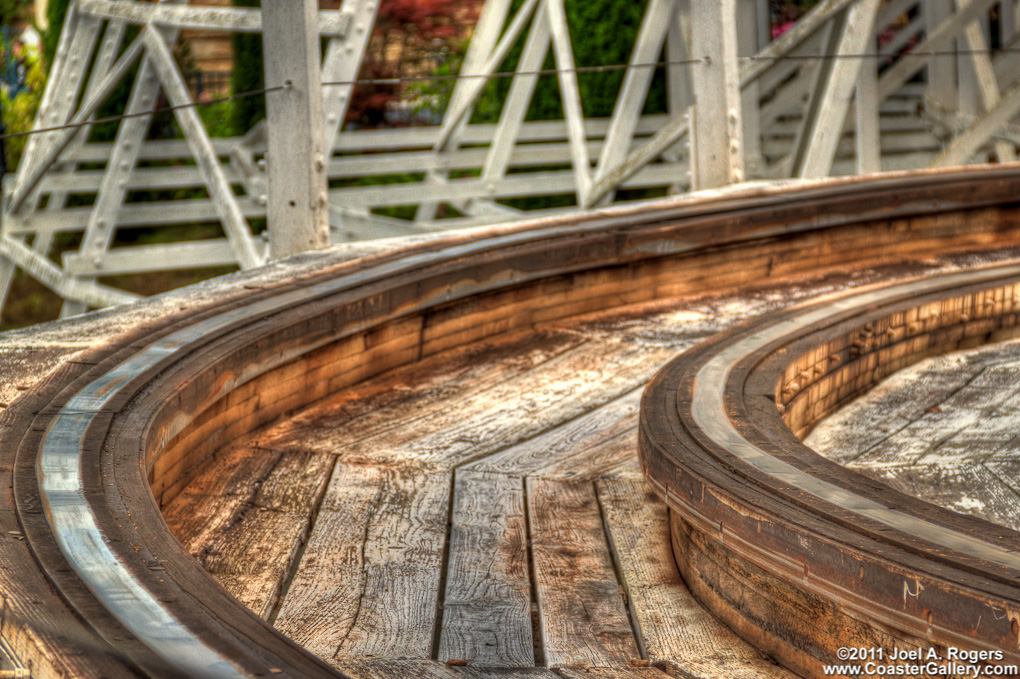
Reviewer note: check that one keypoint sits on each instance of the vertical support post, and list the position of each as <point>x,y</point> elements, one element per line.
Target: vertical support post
<point>297,210</point>
<point>720,158</point>
<point>867,129</point>
<point>941,67</point>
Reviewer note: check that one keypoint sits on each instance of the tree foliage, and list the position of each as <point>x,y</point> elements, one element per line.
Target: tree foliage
<point>602,32</point>
<point>11,11</point>
<point>409,38</point>
<point>19,111</point>
<point>248,75</point>
<point>55,12</point>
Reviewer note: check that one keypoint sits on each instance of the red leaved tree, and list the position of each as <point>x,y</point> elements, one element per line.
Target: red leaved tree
<point>410,39</point>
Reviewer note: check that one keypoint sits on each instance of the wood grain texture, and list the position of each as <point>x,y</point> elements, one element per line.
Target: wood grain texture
<point>487,606</point>
<point>583,615</point>
<point>954,423</point>
<point>368,584</point>
<point>576,447</point>
<point>674,627</point>
<point>266,493</point>
<point>408,398</point>
<point>510,412</point>
<point>989,492</point>
<point>612,673</point>
<point>395,669</point>
<point>427,669</point>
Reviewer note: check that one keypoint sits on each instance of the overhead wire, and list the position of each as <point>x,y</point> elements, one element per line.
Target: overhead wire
<point>606,68</point>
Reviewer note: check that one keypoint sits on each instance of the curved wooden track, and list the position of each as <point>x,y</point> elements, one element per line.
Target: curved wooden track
<point>855,563</point>
<point>97,449</point>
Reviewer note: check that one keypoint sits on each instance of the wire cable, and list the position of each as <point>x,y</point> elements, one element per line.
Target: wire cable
<point>607,68</point>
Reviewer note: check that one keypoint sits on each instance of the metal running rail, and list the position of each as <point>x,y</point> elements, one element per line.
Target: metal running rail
<point>106,441</point>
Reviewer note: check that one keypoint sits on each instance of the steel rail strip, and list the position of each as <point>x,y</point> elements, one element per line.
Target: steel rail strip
<point>514,258</point>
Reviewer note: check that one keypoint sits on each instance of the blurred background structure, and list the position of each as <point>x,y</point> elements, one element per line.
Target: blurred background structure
<point>438,114</point>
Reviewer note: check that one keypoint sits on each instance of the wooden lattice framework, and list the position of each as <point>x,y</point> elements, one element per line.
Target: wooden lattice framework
<point>806,104</point>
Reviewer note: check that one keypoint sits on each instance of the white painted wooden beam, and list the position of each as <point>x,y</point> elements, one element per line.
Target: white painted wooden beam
<point>515,106</point>
<point>60,139</point>
<point>825,125</point>
<point>634,92</point>
<point>234,223</point>
<point>296,156</point>
<point>965,145</point>
<point>570,96</point>
<point>236,19</point>
<point>984,79</point>
<point>717,131</point>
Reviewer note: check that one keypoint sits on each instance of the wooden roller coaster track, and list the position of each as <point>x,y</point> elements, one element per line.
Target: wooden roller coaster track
<point>96,450</point>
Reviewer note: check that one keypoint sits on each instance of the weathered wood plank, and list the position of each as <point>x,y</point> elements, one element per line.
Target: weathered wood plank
<point>558,390</point>
<point>222,483</point>
<point>583,616</point>
<point>612,673</point>
<point>987,492</point>
<point>562,450</point>
<point>469,672</point>
<point>673,626</point>
<point>396,669</point>
<point>429,669</point>
<point>861,427</point>
<point>409,397</point>
<point>368,585</point>
<point>963,409</point>
<point>487,607</point>
<point>277,501</point>
<point>615,457</point>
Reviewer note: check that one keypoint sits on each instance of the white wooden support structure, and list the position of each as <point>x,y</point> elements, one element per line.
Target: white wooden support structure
<point>718,130</point>
<point>126,148</point>
<point>298,208</point>
<point>485,53</point>
<point>867,118</point>
<point>570,96</point>
<point>737,105</point>
<point>824,122</point>
<point>522,87</point>
<point>656,23</point>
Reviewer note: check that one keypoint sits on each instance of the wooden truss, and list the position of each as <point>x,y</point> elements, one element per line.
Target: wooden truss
<point>855,86</point>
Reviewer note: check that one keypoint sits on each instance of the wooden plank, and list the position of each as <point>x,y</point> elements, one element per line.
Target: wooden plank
<point>582,614</point>
<point>961,410</point>
<point>577,448</point>
<point>430,669</point>
<point>396,669</point>
<point>405,398</point>
<point>985,492</point>
<point>222,484</point>
<point>673,626</point>
<point>487,607</point>
<point>614,458</point>
<point>368,585</point>
<point>890,407</point>
<point>253,494</point>
<point>469,672</point>
<point>612,673</point>
<point>585,377</point>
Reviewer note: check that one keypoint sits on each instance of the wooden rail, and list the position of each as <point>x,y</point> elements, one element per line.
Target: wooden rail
<point>823,558</point>
<point>105,442</point>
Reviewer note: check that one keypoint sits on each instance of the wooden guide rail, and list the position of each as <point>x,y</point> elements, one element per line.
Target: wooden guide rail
<point>102,444</point>
<point>847,562</point>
